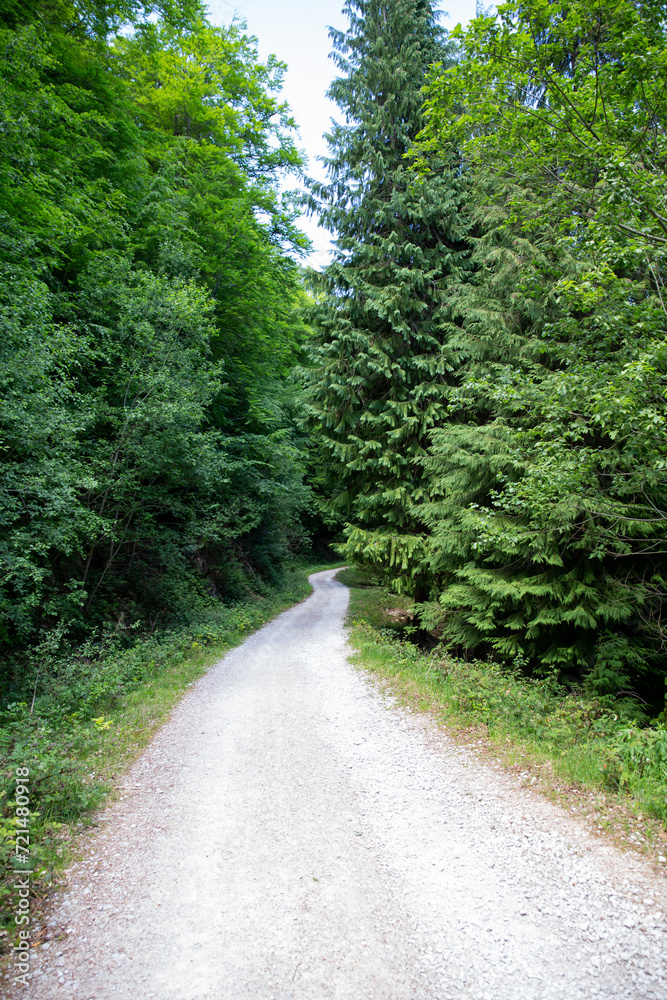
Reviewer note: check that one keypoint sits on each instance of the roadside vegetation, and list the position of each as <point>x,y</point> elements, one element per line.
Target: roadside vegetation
<point>84,714</point>
<point>596,754</point>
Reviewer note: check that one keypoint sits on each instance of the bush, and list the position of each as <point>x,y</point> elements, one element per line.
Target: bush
<point>639,764</point>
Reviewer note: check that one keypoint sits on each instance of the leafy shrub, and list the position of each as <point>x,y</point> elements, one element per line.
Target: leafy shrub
<point>639,762</point>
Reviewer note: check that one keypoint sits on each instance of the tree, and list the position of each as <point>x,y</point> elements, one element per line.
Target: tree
<point>147,327</point>
<point>388,341</point>
<point>549,538</point>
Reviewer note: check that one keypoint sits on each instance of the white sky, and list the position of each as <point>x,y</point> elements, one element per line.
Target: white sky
<point>296,31</point>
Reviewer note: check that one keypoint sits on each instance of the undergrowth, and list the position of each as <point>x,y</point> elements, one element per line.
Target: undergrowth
<point>595,743</point>
<point>81,716</point>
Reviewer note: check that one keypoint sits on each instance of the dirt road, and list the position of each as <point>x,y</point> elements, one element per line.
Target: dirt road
<point>289,834</point>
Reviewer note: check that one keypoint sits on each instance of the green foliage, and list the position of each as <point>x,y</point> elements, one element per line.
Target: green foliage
<point>147,425</point>
<point>640,759</point>
<point>97,18</point>
<point>387,338</point>
<point>548,512</point>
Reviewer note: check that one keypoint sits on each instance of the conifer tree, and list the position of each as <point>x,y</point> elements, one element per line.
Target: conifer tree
<point>387,343</point>
<point>549,524</point>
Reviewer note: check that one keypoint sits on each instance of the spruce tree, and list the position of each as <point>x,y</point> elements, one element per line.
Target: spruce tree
<point>387,343</point>
<point>549,523</point>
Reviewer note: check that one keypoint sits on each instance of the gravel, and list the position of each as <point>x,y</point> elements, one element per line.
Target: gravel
<point>290,833</point>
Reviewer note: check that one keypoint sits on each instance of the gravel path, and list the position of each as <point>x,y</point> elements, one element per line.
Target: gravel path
<point>291,834</point>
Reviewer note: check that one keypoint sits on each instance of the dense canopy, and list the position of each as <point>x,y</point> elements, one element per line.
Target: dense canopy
<point>148,324</point>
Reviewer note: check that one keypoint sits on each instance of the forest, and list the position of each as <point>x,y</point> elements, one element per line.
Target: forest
<point>149,318</point>
<point>468,403</point>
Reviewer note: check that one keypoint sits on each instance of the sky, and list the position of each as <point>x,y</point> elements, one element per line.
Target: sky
<point>297,32</point>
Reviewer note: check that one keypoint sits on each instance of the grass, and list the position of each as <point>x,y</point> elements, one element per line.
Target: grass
<point>594,758</point>
<point>97,709</point>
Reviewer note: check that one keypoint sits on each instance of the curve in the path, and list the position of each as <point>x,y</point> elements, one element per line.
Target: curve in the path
<point>291,834</point>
